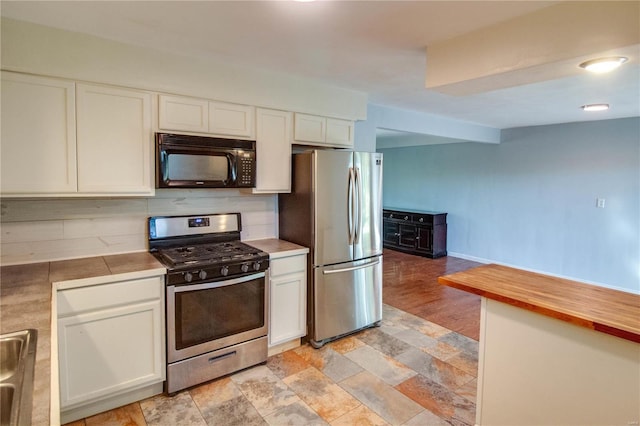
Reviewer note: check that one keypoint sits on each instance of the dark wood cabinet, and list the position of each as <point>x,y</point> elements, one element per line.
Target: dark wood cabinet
<point>417,232</point>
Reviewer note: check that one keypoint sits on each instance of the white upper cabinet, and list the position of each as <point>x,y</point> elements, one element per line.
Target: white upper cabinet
<point>273,146</point>
<point>179,113</point>
<point>114,140</point>
<point>316,130</point>
<point>232,119</point>
<point>38,135</point>
<point>340,132</point>
<point>310,128</point>
<point>187,114</point>
<point>62,139</point>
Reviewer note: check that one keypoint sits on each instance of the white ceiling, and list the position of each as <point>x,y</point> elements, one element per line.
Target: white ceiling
<point>378,47</point>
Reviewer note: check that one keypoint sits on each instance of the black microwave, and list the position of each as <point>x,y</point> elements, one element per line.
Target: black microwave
<point>186,161</point>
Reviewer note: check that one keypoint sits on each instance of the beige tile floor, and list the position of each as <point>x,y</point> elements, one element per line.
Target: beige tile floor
<point>408,372</point>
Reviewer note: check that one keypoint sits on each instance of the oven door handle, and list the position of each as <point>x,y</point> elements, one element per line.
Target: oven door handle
<point>216,284</point>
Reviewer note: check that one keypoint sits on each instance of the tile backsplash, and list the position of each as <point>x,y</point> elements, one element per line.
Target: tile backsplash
<point>36,230</point>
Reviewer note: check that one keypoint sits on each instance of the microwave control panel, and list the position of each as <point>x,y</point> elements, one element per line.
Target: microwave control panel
<point>246,170</point>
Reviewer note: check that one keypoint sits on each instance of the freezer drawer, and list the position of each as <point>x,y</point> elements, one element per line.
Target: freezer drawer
<point>346,298</point>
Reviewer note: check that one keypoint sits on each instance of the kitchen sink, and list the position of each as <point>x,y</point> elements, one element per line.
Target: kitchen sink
<point>17,362</point>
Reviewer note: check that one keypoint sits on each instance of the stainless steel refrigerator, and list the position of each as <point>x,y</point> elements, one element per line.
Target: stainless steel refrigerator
<point>335,209</point>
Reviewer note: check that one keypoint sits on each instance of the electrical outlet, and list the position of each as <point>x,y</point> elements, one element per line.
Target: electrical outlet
<point>600,203</point>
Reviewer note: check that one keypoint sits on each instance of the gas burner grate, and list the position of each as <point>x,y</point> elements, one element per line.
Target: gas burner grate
<point>209,253</point>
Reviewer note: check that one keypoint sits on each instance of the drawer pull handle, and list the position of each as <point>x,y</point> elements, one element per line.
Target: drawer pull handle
<point>221,357</point>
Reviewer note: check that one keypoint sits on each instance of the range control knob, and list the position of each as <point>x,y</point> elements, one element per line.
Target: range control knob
<point>202,274</point>
<point>256,266</point>
<point>224,271</point>
<point>244,267</point>
<point>188,277</point>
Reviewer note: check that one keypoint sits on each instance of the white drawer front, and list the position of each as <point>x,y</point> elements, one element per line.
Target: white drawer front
<point>95,297</point>
<point>288,265</point>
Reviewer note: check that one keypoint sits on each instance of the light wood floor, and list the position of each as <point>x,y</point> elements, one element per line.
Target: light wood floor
<point>411,284</point>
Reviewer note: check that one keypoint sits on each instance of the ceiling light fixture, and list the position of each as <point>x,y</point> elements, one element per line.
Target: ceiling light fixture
<point>595,107</point>
<point>601,65</point>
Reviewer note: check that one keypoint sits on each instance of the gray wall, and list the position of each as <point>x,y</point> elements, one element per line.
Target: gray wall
<point>530,201</point>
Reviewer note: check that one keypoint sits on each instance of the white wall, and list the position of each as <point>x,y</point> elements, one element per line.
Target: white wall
<point>420,123</point>
<point>42,50</point>
<point>530,201</point>
<point>42,230</point>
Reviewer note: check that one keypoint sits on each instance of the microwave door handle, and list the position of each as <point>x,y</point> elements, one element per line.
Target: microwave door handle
<point>164,162</point>
<point>232,169</point>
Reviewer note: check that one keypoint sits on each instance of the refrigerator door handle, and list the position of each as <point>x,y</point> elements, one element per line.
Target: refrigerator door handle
<point>358,215</point>
<point>351,268</point>
<point>350,205</point>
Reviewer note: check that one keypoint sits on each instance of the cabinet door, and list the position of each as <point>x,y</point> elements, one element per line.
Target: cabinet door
<point>288,299</point>
<point>391,233</point>
<point>38,135</point>
<point>310,128</point>
<point>408,235</point>
<point>108,351</point>
<point>231,119</point>
<point>339,132</point>
<point>424,239</point>
<point>114,141</point>
<point>273,146</point>
<point>179,113</point>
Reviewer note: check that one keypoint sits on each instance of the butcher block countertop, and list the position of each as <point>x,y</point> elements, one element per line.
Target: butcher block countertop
<point>598,308</point>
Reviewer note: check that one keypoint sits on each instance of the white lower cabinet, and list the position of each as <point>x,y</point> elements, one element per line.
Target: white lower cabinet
<point>288,298</point>
<point>110,344</point>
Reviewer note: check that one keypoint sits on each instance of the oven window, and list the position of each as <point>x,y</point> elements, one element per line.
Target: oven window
<point>205,315</point>
<point>192,167</point>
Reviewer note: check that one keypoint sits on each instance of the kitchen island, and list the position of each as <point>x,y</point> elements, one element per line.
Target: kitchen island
<point>553,351</point>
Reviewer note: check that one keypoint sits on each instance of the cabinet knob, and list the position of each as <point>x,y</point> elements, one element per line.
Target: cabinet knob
<point>391,216</point>
<point>397,234</point>
<point>406,218</point>
<point>422,219</point>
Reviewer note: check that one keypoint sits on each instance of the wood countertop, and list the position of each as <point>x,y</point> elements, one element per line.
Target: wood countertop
<point>598,308</point>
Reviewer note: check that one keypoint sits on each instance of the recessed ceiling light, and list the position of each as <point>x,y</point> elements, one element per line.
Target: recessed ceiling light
<point>595,107</point>
<point>601,65</point>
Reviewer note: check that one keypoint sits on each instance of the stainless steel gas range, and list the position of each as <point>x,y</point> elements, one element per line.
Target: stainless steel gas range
<point>216,297</point>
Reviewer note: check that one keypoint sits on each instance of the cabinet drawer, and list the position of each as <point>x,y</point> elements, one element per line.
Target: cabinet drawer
<point>95,297</point>
<point>288,265</point>
<point>423,218</point>
<point>398,216</point>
